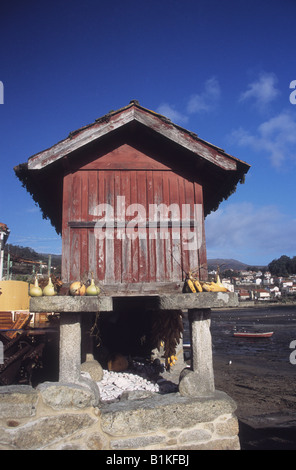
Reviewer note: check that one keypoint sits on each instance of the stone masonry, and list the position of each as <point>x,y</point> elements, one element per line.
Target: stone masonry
<point>70,414</point>
<point>58,416</point>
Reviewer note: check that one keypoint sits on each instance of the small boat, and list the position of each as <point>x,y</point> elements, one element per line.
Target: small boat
<point>244,334</point>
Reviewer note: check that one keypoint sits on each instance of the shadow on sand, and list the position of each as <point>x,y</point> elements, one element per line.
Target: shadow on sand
<point>270,438</point>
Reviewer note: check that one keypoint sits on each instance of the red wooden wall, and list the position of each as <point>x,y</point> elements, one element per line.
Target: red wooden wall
<point>143,180</point>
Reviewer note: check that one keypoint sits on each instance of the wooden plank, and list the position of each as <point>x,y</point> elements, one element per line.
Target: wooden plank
<point>6,320</point>
<point>76,197</point>
<point>144,268</point>
<point>92,194</point>
<point>84,198</point>
<point>124,224</point>
<point>65,228</point>
<point>92,253</point>
<point>176,231</point>
<point>134,201</point>
<point>184,253</point>
<point>22,320</point>
<point>75,246</point>
<point>159,245</point>
<point>202,252</point>
<point>167,242</point>
<point>126,255</point>
<point>152,232</point>
<point>189,234</point>
<point>109,242</point>
<point>125,157</point>
<point>84,255</point>
<point>118,232</point>
<point>100,242</point>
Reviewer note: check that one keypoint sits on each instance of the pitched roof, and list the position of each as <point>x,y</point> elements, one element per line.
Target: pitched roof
<point>43,172</point>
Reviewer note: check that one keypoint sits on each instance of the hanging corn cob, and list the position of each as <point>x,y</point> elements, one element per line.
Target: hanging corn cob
<point>167,330</point>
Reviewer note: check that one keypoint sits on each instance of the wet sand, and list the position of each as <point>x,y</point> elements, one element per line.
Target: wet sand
<point>258,374</point>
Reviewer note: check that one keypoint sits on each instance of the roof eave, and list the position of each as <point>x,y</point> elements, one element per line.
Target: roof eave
<point>114,120</point>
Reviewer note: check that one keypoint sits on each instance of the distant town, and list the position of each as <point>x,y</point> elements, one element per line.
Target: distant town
<point>258,285</point>
<point>275,282</point>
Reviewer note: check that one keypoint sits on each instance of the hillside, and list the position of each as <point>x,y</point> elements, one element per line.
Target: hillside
<point>227,264</point>
<point>20,253</point>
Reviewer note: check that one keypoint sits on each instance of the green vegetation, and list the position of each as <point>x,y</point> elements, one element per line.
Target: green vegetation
<point>283,266</point>
<point>24,261</point>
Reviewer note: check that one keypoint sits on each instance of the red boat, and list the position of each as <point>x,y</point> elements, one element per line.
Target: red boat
<point>244,334</point>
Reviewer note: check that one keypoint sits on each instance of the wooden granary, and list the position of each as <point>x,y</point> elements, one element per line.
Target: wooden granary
<point>129,194</point>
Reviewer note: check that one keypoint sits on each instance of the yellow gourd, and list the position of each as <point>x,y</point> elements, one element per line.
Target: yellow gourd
<point>49,290</point>
<point>35,290</point>
<point>92,289</point>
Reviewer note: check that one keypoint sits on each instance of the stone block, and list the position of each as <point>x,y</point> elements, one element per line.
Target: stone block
<point>226,426</point>
<point>94,369</point>
<point>67,303</point>
<point>42,432</point>
<point>195,435</point>
<point>137,442</point>
<point>194,384</point>
<point>201,300</point>
<point>163,412</point>
<point>60,395</point>
<point>18,401</point>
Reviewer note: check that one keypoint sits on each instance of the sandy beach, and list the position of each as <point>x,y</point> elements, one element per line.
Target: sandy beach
<point>258,374</point>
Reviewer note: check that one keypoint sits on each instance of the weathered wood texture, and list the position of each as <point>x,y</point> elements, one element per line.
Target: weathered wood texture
<point>123,178</point>
<point>166,147</point>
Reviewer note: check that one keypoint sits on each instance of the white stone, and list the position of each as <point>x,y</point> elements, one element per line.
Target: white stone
<point>114,384</point>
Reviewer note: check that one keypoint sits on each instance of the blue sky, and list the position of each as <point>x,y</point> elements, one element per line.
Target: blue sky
<point>220,69</point>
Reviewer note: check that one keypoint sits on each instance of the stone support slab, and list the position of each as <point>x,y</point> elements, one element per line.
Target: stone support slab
<point>67,303</point>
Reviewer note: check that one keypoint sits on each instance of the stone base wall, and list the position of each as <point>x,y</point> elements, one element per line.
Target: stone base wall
<point>59,416</point>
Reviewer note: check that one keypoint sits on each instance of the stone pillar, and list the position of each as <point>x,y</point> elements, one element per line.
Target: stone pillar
<point>199,380</point>
<point>70,347</point>
<point>87,341</point>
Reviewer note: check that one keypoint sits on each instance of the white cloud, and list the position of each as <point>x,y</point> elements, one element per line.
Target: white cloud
<point>203,102</point>
<point>276,137</point>
<point>262,92</point>
<point>207,99</point>
<point>249,233</point>
<point>170,112</point>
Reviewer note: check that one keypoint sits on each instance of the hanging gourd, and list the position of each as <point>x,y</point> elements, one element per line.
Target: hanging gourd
<point>35,290</point>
